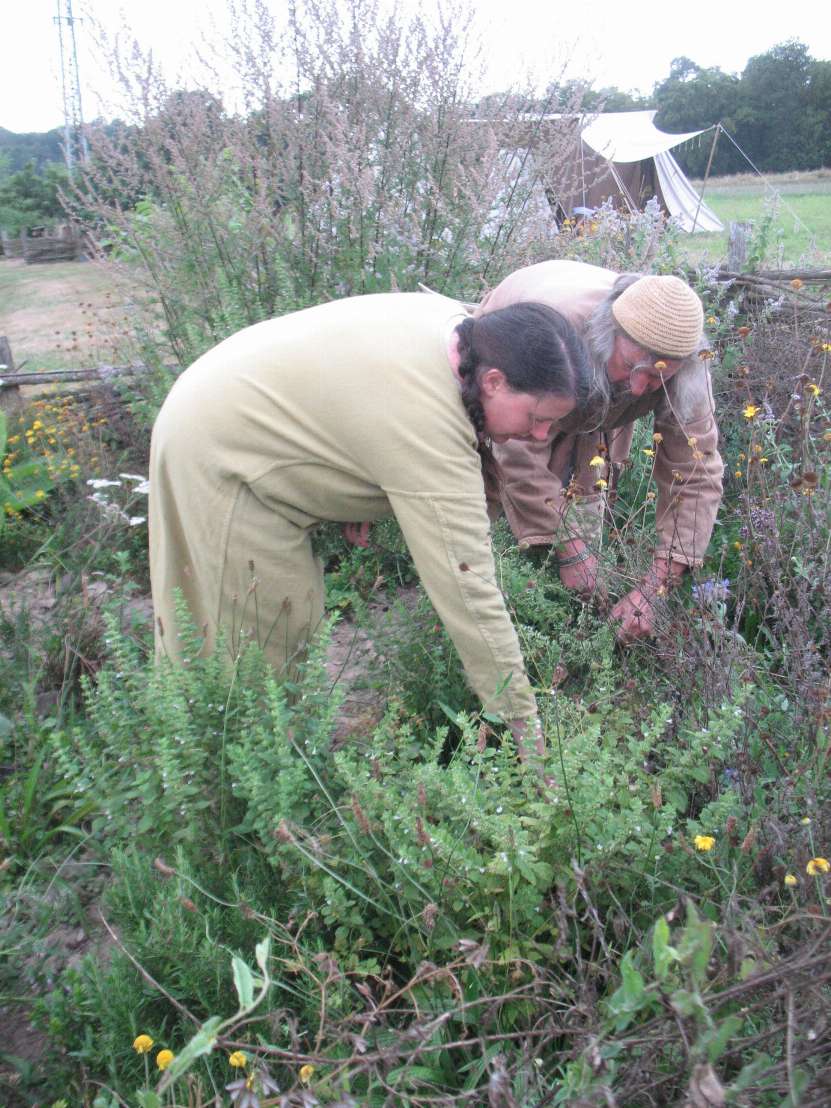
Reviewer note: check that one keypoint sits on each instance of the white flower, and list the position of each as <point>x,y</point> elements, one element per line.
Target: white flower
<point>142,484</point>
<point>134,521</point>
<point>102,483</point>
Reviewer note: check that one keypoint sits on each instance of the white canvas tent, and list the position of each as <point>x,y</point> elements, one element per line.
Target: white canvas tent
<point>624,156</point>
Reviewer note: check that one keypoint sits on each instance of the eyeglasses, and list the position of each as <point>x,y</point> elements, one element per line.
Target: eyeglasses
<point>657,368</point>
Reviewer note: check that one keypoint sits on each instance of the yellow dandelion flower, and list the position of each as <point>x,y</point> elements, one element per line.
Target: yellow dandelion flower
<point>239,1059</point>
<point>37,425</point>
<point>657,438</point>
<point>738,473</point>
<point>704,843</point>
<point>306,1074</point>
<point>816,866</point>
<point>597,462</point>
<point>649,453</point>
<point>600,484</point>
<point>813,388</point>
<point>711,319</point>
<point>790,880</point>
<point>750,411</point>
<point>805,821</point>
<point>164,1058</point>
<point>143,1044</point>
<point>40,495</point>
<point>660,366</point>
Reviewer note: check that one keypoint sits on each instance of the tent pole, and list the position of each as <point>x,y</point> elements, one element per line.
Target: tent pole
<point>706,175</point>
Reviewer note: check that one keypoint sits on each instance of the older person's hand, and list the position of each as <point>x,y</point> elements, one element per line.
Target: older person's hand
<point>635,612</point>
<point>635,616</point>
<point>581,576</point>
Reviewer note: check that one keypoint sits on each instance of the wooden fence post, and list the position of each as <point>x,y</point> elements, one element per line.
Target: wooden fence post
<point>737,247</point>
<point>10,400</point>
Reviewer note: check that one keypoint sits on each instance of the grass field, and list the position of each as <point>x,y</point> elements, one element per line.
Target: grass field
<point>66,315</point>
<point>800,203</point>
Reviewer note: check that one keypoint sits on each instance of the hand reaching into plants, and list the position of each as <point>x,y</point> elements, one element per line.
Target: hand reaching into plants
<point>579,571</point>
<point>635,612</point>
<point>530,745</point>
<point>357,533</point>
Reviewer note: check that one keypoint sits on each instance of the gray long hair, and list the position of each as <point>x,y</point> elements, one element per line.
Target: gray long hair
<point>684,390</point>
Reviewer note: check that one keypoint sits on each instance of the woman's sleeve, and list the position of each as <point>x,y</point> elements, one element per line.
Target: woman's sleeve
<point>449,539</point>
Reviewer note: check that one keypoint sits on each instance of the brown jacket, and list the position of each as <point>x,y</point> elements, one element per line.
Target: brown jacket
<point>548,489</point>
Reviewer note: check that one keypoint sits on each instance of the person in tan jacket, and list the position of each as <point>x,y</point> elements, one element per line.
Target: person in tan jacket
<point>351,411</point>
<point>645,335</point>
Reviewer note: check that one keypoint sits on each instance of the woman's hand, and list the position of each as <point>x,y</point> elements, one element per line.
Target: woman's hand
<point>357,533</point>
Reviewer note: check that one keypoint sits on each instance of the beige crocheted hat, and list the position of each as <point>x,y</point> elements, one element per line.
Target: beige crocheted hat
<point>662,314</point>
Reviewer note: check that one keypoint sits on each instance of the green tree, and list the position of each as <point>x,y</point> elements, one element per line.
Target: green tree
<point>774,123</point>
<point>28,198</point>
<point>692,98</point>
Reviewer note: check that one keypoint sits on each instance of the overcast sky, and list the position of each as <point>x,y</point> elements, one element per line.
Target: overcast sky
<point>613,43</point>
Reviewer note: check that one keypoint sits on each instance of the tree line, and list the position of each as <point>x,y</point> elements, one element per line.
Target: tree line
<point>777,111</point>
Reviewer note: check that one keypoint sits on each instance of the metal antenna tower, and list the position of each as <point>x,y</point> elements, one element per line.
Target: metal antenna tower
<point>75,141</point>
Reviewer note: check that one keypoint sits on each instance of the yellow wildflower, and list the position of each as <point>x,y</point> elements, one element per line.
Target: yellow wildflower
<point>750,411</point>
<point>737,545</point>
<point>805,821</point>
<point>239,1059</point>
<point>597,462</point>
<point>600,484</point>
<point>37,425</point>
<point>40,495</point>
<point>711,319</point>
<point>816,866</point>
<point>164,1058</point>
<point>791,880</point>
<point>704,843</point>
<point>649,453</point>
<point>660,366</point>
<point>813,388</point>
<point>306,1074</point>
<point>143,1044</point>
<point>738,473</point>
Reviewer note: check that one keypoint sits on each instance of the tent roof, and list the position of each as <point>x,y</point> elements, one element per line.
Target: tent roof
<point>630,136</point>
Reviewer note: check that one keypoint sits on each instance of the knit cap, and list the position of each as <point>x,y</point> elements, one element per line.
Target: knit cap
<point>662,314</point>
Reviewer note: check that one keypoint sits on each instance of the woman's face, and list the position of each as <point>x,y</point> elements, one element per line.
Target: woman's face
<point>518,415</point>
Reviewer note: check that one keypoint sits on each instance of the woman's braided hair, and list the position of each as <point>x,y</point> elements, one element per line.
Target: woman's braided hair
<point>535,347</point>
